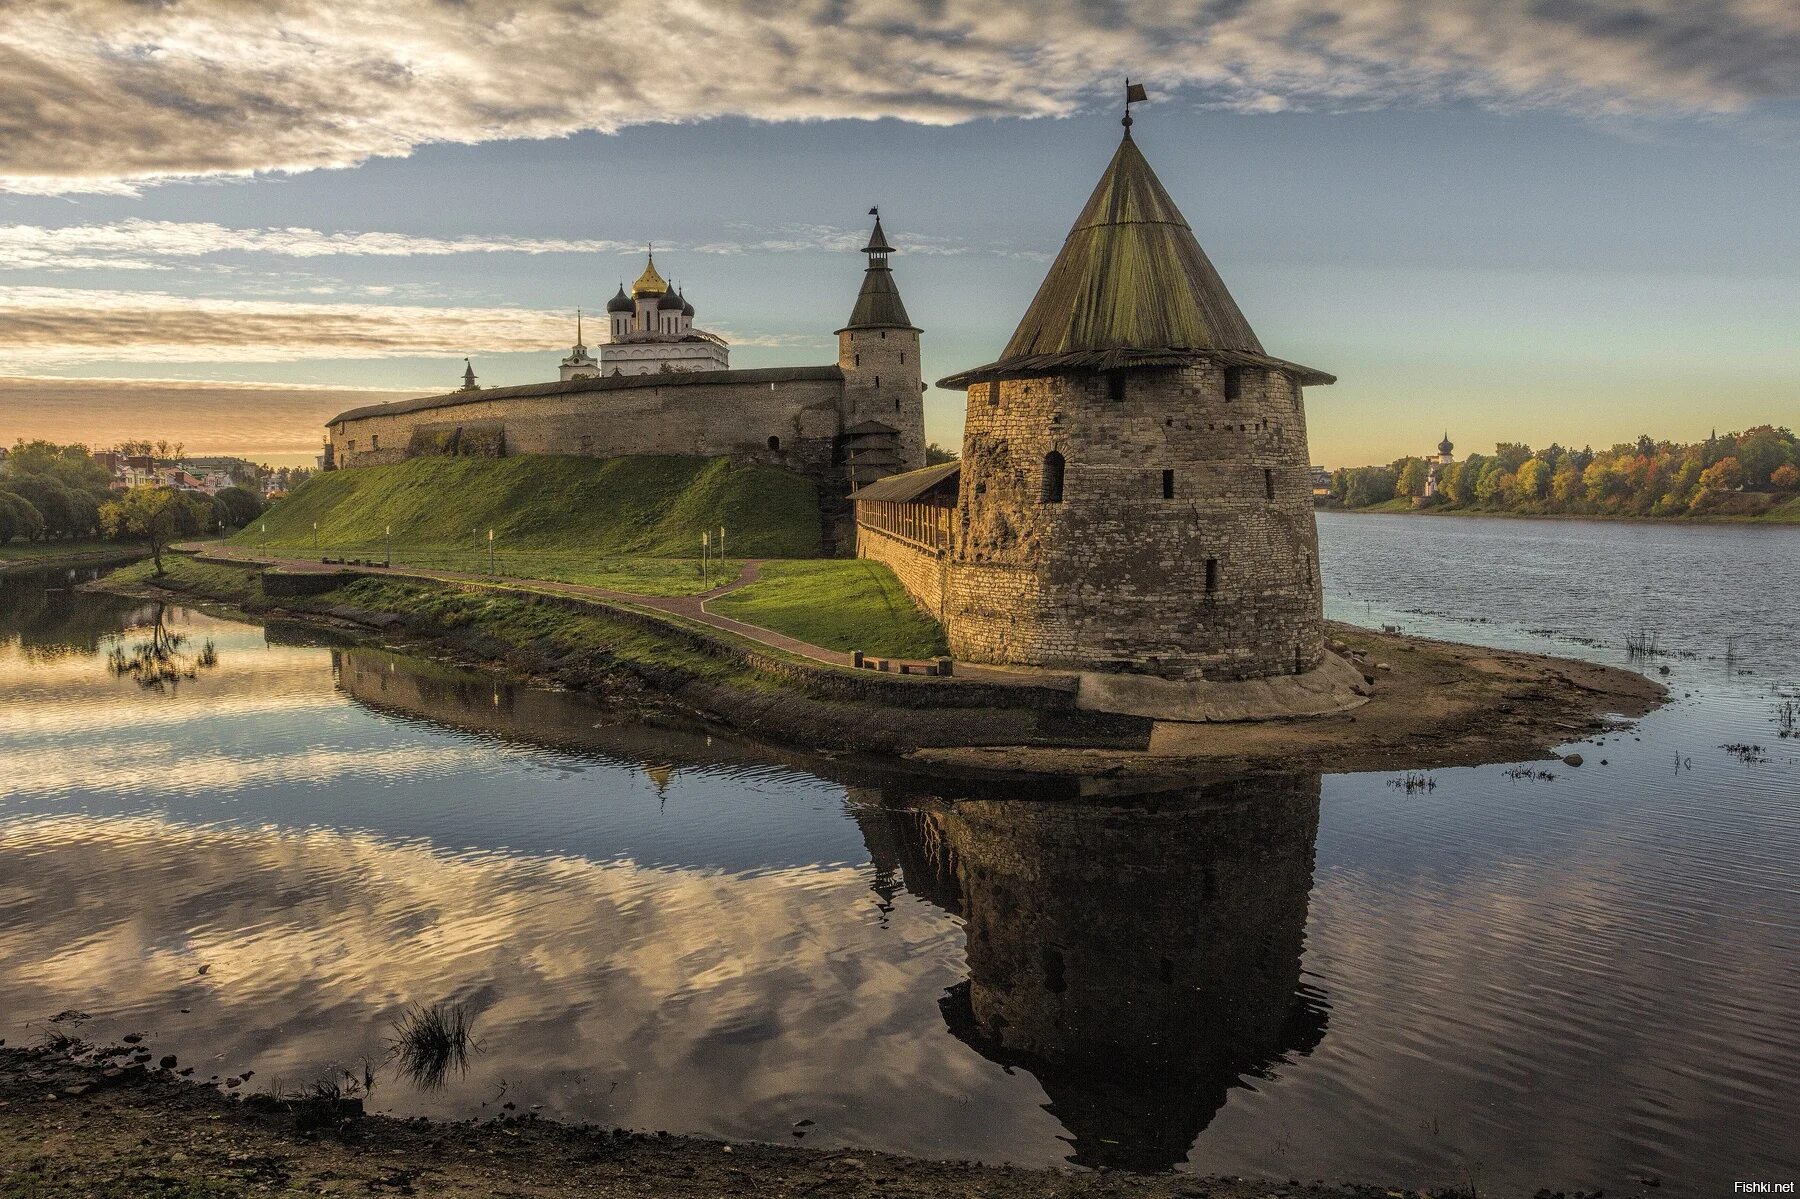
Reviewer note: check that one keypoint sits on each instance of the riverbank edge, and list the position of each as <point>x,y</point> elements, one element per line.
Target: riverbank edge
<point>1764,519</point>
<point>91,556</point>
<point>111,1123</point>
<point>1433,703</point>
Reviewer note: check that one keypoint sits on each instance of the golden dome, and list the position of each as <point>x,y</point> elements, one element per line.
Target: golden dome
<point>650,283</point>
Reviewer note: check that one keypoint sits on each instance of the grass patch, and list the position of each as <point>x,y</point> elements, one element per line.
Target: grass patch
<point>432,609</point>
<point>841,604</point>
<point>573,512</point>
<point>639,576</point>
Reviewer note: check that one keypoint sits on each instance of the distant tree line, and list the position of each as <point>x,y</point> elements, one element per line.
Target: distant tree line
<point>1641,478</point>
<point>55,492</point>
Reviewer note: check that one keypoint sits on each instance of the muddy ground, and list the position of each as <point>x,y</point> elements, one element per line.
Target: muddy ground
<point>1433,704</point>
<point>69,1130</point>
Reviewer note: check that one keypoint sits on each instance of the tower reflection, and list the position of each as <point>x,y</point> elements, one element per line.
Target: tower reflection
<point>1139,957</point>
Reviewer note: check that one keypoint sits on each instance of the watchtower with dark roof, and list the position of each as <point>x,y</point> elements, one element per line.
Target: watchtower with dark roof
<point>878,349</point>
<point>1135,490</point>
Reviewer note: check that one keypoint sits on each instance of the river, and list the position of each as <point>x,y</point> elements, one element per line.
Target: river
<point>1512,976</point>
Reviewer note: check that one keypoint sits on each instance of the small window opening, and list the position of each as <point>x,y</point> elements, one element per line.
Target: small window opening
<point>884,335</point>
<point>1053,478</point>
<point>1052,961</point>
<point>994,394</point>
<point>1212,575</point>
<point>1115,386</point>
<point>1234,382</point>
<point>1268,483</point>
<point>1168,485</point>
<point>878,380</point>
<point>1299,661</point>
<point>774,443</point>
<point>902,357</point>
<point>896,403</point>
<point>375,442</point>
<point>856,360</point>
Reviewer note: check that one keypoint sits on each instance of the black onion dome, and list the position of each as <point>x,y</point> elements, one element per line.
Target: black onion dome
<point>620,302</point>
<point>687,309</point>
<point>670,302</point>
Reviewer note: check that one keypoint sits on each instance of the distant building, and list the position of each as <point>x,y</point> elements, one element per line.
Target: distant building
<point>1321,482</point>
<point>652,332</point>
<point>1445,456</point>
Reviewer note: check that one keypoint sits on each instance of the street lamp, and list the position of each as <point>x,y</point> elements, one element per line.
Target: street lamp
<point>389,551</point>
<point>491,552</point>
<point>703,583</point>
<point>315,536</point>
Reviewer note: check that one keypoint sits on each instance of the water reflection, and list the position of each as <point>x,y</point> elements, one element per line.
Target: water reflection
<point>1574,982</point>
<point>1138,956</point>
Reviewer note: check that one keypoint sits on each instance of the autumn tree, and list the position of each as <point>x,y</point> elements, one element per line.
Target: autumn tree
<point>154,514</point>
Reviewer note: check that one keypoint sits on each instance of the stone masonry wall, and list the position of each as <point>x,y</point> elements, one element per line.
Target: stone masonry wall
<point>924,573</point>
<point>736,419</point>
<point>1115,576</point>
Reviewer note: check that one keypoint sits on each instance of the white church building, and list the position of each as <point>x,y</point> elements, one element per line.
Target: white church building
<point>649,331</point>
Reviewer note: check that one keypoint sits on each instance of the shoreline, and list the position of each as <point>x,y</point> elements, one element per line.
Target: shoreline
<point>1430,704</point>
<point>91,556</point>
<point>114,1122</point>
<point>1760,520</point>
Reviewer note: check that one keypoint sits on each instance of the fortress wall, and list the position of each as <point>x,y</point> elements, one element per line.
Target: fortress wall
<point>925,574</point>
<point>1115,575</point>
<point>736,419</point>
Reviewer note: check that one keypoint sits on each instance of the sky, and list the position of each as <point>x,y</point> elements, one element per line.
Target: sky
<point>1537,220</point>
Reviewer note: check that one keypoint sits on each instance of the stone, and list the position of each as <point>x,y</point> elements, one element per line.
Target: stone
<point>1572,759</point>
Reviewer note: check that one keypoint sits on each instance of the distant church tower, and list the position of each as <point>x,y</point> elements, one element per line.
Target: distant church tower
<point>1135,489</point>
<point>579,364</point>
<point>884,407</point>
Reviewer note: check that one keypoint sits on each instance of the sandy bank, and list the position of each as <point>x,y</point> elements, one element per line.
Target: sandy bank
<point>67,1131</point>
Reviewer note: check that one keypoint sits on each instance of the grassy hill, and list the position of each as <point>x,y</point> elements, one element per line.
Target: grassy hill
<point>655,506</point>
<point>629,523</point>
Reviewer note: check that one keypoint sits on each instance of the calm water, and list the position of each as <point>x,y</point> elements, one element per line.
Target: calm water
<point>1510,981</point>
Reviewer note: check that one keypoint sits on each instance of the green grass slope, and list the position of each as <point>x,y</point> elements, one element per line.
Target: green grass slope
<point>839,603</point>
<point>613,507</point>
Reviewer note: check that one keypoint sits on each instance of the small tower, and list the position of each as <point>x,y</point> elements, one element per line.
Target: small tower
<point>579,364</point>
<point>1135,490</point>
<point>884,407</point>
<point>468,383</point>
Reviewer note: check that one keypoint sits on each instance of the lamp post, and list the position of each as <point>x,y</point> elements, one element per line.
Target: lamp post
<point>721,545</point>
<point>491,552</point>
<point>388,550</point>
<point>703,582</point>
<point>315,536</point>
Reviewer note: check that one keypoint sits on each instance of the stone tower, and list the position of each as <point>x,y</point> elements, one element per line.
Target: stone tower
<point>1135,491</point>
<point>884,410</point>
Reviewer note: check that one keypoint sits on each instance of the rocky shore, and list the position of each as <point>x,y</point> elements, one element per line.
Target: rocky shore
<point>120,1124</point>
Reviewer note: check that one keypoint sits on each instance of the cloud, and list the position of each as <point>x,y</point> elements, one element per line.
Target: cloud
<point>49,326</point>
<point>106,95</point>
<point>153,245</point>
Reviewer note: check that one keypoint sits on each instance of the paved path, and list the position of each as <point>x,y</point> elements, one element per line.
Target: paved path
<point>690,607</point>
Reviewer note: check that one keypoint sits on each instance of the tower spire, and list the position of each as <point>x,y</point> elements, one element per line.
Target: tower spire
<point>878,304</point>
<point>468,376</point>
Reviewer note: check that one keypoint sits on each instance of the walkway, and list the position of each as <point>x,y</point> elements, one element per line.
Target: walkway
<point>688,607</point>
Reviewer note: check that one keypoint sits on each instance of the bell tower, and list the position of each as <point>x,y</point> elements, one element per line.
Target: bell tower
<point>884,406</point>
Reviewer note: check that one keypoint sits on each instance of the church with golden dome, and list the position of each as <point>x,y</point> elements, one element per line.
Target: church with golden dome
<point>651,330</point>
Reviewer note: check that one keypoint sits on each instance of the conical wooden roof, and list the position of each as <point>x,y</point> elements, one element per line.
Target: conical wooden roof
<point>1131,287</point>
